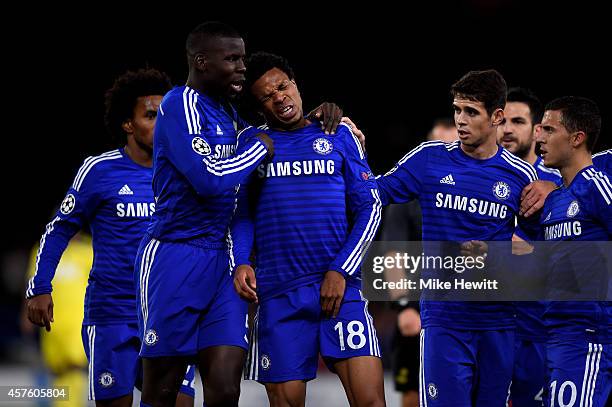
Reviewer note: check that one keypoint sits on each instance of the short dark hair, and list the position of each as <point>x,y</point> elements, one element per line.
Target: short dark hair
<point>579,114</point>
<point>121,98</point>
<point>198,37</point>
<point>488,87</point>
<point>261,62</point>
<point>526,96</point>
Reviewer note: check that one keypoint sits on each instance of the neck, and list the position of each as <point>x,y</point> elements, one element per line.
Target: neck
<point>303,122</point>
<point>138,154</point>
<point>482,151</point>
<point>531,157</point>
<point>576,164</point>
<point>198,85</point>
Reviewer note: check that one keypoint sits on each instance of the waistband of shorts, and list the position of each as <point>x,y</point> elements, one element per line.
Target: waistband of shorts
<point>200,242</point>
<point>204,244</point>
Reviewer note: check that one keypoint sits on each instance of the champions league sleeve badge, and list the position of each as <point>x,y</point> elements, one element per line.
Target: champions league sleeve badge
<point>67,204</point>
<point>200,146</point>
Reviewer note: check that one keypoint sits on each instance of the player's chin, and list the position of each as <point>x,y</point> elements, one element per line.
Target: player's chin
<point>468,142</point>
<point>232,95</point>
<point>549,162</point>
<point>509,146</point>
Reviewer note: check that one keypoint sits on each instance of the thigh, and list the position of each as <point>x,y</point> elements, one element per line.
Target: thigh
<point>225,321</point>
<point>448,363</point>
<point>177,282</point>
<point>579,373</point>
<point>285,337</point>
<point>221,370</point>
<point>112,352</point>
<point>162,378</point>
<point>529,377</point>
<point>495,362</point>
<point>362,379</point>
<point>292,393</point>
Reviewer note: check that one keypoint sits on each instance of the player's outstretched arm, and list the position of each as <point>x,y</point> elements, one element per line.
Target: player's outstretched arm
<point>210,176</point>
<point>181,137</point>
<point>403,182</point>
<point>356,131</point>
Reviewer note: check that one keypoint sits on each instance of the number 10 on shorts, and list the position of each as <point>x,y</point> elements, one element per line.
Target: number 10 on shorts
<point>354,329</point>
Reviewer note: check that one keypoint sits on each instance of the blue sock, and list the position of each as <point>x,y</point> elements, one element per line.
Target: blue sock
<point>144,404</point>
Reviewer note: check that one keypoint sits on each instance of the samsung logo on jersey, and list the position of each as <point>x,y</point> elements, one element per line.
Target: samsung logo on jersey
<point>287,168</point>
<point>224,150</point>
<point>472,205</point>
<point>135,209</point>
<point>565,229</point>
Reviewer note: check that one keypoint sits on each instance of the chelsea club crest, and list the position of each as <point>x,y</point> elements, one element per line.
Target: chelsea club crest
<point>322,146</point>
<point>573,209</point>
<point>151,337</point>
<point>106,379</point>
<point>501,190</point>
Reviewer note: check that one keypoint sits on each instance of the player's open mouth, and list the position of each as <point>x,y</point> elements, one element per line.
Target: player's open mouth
<point>286,112</point>
<point>237,86</point>
<point>463,133</point>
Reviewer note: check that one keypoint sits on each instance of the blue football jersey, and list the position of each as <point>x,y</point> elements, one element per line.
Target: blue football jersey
<point>195,167</point>
<point>602,161</point>
<point>112,196</point>
<point>580,212</point>
<point>462,199</point>
<point>313,208</point>
<point>545,173</point>
<point>530,314</point>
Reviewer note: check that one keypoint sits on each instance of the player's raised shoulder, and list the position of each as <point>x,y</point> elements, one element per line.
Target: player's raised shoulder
<point>94,163</point>
<point>599,184</point>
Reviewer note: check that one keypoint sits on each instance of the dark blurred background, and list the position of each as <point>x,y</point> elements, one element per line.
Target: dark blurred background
<point>390,68</point>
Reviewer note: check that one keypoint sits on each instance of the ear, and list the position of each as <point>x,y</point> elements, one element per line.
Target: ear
<point>497,117</point>
<point>128,126</point>
<point>200,61</point>
<point>578,138</point>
